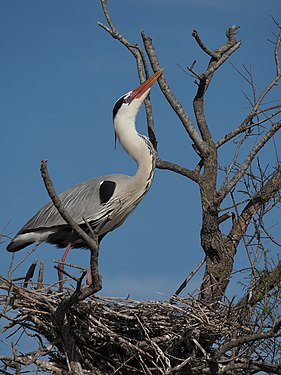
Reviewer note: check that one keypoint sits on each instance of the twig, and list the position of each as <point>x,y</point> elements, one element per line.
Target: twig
<point>242,340</point>
<point>169,95</point>
<point>196,74</point>
<point>59,206</point>
<point>234,160</point>
<point>189,277</point>
<point>266,282</point>
<point>71,351</point>
<point>247,162</point>
<point>191,174</point>
<point>212,54</point>
<point>217,59</point>
<point>25,257</point>
<point>141,63</point>
<point>259,101</point>
<point>77,279</point>
<point>10,270</point>
<point>157,349</point>
<point>225,217</point>
<point>92,243</point>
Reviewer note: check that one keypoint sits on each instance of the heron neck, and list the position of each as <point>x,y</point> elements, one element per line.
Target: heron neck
<point>141,150</point>
<point>145,159</point>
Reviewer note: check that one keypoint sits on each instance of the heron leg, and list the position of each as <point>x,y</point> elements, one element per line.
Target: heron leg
<point>61,266</point>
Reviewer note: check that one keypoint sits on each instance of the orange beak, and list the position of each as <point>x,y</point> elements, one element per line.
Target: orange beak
<point>139,91</point>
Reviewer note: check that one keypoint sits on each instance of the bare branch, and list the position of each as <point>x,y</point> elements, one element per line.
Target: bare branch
<point>211,69</point>
<point>269,235</point>
<point>177,107</point>
<point>141,63</point>
<point>266,282</point>
<point>188,278</point>
<point>225,217</point>
<point>212,54</point>
<point>205,332</point>
<point>217,59</point>
<point>59,206</point>
<point>192,71</point>
<point>267,192</point>
<point>114,33</point>
<point>243,340</point>
<point>255,366</point>
<point>255,110</point>
<point>249,127</point>
<point>234,160</point>
<point>252,154</point>
<point>191,174</point>
<point>92,243</point>
<point>40,275</point>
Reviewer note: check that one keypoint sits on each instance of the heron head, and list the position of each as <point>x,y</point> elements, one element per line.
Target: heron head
<point>129,104</point>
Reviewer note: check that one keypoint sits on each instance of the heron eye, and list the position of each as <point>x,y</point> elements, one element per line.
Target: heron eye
<point>126,101</point>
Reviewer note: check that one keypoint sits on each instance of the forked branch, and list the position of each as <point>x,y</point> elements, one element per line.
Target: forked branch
<point>191,174</point>
<point>173,101</point>
<point>72,353</point>
<point>267,192</point>
<point>266,282</point>
<point>247,162</point>
<point>92,243</point>
<point>218,57</point>
<point>142,66</point>
<point>248,121</point>
<point>141,62</point>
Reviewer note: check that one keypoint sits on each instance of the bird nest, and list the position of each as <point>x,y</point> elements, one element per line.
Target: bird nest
<point>111,335</point>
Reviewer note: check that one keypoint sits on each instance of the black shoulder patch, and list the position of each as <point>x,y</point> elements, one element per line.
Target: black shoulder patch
<point>106,191</point>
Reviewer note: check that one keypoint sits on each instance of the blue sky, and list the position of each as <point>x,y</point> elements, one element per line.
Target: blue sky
<point>60,77</point>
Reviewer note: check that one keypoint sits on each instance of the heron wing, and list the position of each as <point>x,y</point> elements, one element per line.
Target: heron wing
<point>82,202</point>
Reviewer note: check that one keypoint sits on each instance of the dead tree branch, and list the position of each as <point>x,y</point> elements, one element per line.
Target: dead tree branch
<point>129,337</point>
<point>252,154</point>
<point>174,103</point>
<point>266,282</point>
<point>242,340</point>
<point>267,192</point>
<point>92,243</point>
<point>191,174</point>
<point>72,352</point>
<point>256,108</point>
<point>142,66</point>
<point>207,332</point>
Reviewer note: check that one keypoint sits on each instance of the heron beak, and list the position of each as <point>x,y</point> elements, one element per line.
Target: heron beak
<point>139,91</point>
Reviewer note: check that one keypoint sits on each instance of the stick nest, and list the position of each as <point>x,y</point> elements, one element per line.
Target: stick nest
<point>113,336</point>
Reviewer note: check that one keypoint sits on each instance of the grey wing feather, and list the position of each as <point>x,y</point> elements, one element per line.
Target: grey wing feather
<point>81,202</point>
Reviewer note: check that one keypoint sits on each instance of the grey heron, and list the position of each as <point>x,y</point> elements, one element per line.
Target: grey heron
<point>103,202</point>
